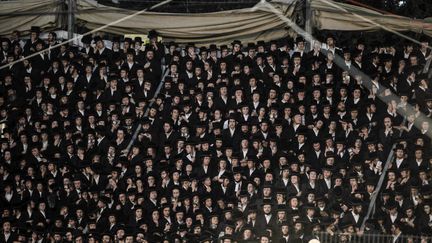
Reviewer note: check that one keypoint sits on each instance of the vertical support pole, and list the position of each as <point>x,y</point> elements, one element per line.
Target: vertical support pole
<point>71,18</point>
<point>308,24</point>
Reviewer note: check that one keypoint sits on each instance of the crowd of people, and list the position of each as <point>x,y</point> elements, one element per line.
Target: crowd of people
<point>143,141</point>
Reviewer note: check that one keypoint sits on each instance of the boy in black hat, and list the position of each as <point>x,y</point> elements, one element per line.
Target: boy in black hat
<point>87,51</point>
<point>30,47</point>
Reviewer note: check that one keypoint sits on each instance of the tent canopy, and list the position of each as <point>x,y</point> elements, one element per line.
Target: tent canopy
<point>21,15</point>
<point>247,25</point>
<point>329,15</point>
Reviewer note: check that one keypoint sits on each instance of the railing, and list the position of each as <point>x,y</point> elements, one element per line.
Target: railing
<point>325,237</point>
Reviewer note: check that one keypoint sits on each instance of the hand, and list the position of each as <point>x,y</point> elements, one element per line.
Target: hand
<point>167,227</point>
<point>379,168</point>
<point>387,92</point>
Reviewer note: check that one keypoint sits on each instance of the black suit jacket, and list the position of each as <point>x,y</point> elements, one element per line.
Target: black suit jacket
<point>289,240</point>
<point>292,190</point>
<point>103,145</point>
<point>262,224</point>
<point>131,70</point>
<point>349,218</point>
<point>11,238</point>
<point>228,192</point>
<point>106,54</point>
<point>233,140</point>
<point>201,173</point>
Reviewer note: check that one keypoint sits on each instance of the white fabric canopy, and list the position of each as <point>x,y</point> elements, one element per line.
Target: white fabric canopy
<point>330,15</point>
<point>22,14</point>
<point>248,25</point>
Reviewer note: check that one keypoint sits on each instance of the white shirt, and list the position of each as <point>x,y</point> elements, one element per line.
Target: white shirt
<point>6,236</point>
<point>267,218</point>
<point>96,178</point>
<point>419,162</point>
<point>395,237</point>
<point>232,132</point>
<point>9,196</point>
<point>356,217</point>
<point>312,184</point>
<point>225,99</point>
<point>393,217</point>
<point>328,183</point>
<point>251,171</point>
<point>237,186</point>
<point>285,181</point>
<point>296,187</point>
<point>415,201</point>
<point>398,162</point>
<point>301,144</point>
<point>348,64</point>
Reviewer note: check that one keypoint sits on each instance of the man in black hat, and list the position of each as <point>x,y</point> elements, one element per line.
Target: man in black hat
<point>87,50</point>
<point>30,46</point>
<point>266,218</point>
<point>41,61</point>
<point>355,216</point>
<point>300,46</point>
<point>400,160</point>
<point>101,51</point>
<point>7,235</point>
<point>155,45</point>
<point>396,232</point>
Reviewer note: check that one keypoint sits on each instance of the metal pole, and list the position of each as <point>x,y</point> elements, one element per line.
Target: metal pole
<point>375,194</point>
<point>308,24</point>
<point>165,71</point>
<point>71,18</point>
